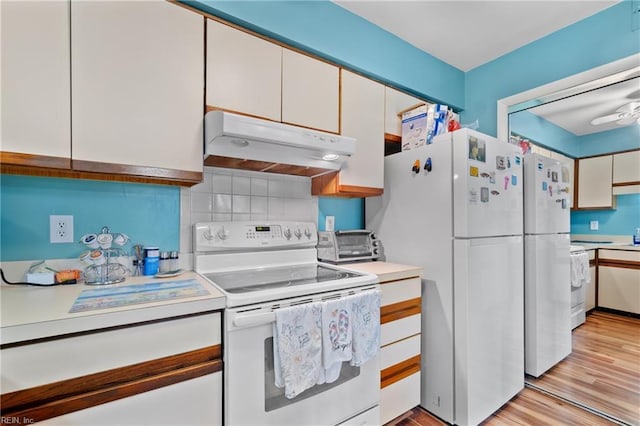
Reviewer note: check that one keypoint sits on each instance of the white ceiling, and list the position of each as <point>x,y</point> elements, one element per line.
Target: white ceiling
<point>467,34</point>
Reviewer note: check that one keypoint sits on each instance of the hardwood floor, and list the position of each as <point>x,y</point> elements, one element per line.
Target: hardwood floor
<point>529,407</point>
<point>603,372</point>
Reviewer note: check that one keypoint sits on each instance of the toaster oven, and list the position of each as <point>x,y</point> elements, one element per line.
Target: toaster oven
<point>348,246</point>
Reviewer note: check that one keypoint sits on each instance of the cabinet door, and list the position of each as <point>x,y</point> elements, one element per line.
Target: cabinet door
<point>193,402</point>
<point>363,119</point>
<point>310,92</point>
<point>619,288</point>
<point>243,72</point>
<point>36,117</point>
<point>626,167</point>
<point>396,102</point>
<point>626,172</point>
<point>137,76</point>
<point>594,182</point>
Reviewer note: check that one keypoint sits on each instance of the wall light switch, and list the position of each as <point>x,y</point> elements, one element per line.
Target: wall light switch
<point>593,225</point>
<point>329,223</point>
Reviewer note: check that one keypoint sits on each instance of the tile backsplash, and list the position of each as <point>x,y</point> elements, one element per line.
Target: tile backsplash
<point>237,195</point>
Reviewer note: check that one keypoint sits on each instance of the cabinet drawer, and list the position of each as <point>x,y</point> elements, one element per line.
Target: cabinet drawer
<point>400,329</point>
<point>398,291</point>
<point>631,256</point>
<point>51,361</point>
<point>400,351</point>
<point>399,397</point>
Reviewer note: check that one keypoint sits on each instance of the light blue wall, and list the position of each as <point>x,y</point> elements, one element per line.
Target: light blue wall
<point>592,42</point>
<point>543,132</point>
<point>622,221</point>
<point>331,32</point>
<point>556,138</point>
<point>148,214</point>
<point>616,140</point>
<point>348,212</point>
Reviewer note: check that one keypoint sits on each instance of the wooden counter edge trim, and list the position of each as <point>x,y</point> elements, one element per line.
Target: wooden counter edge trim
<point>400,310</point>
<point>630,264</point>
<point>397,372</point>
<point>133,170</point>
<point>65,396</point>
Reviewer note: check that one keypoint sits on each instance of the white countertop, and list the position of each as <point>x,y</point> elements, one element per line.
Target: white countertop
<point>39,312</point>
<point>386,271</point>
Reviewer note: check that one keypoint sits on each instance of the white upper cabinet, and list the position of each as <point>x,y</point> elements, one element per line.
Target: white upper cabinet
<point>36,116</point>
<point>310,92</point>
<point>626,172</point>
<point>396,102</point>
<point>594,182</point>
<point>244,72</point>
<point>363,119</point>
<point>137,78</point>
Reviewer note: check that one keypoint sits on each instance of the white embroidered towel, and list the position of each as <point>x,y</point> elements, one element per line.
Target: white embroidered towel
<point>366,326</point>
<point>580,270</point>
<point>297,347</point>
<point>336,336</point>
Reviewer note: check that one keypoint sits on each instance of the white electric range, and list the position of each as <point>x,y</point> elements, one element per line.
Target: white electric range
<point>261,267</point>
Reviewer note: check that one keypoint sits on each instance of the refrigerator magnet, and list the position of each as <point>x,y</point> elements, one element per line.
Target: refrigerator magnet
<point>484,194</point>
<point>494,192</point>
<point>540,166</point>
<point>506,182</point>
<point>492,177</point>
<point>544,186</point>
<point>518,160</point>
<point>508,162</point>
<point>514,180</point>
<point>500,162</point>
<point>554,176</point>
<point>473,196</point>
<point>477,149</point>
<point>473,171</point>
<point>550,191</point>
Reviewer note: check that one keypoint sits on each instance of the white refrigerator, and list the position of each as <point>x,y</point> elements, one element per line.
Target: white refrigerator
<point>454,207</point>
<point>547,263</point>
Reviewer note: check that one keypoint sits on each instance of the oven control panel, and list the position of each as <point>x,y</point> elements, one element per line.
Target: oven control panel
<point>219,236</point>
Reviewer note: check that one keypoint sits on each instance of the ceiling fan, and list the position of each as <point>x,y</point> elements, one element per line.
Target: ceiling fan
<point>624,115</point>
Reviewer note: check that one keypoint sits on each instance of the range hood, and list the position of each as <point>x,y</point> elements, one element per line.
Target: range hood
<point>240,142</point>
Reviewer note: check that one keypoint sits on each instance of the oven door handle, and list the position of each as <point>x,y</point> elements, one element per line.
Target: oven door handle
<point>254,319</point>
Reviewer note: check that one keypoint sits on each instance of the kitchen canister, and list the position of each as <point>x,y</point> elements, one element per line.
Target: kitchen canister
<point>151,260</point>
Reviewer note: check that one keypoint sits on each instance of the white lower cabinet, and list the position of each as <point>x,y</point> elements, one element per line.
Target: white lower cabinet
<point>590,296</point>
<point>185,403</point>
<point>159,373</point>
<point>619,280</point>
<point>400,336</point>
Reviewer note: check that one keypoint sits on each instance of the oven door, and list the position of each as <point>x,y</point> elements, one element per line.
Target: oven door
<point>251,398</point>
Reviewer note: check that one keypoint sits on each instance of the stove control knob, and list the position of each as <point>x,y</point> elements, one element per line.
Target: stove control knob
<point>287,233</point>
<point>298,233</point>
<point>307,233</point>
<point>223,234</point>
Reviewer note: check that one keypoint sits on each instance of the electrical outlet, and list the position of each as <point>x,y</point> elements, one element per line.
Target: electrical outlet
<point>329,223</point>
<point>61,229</point>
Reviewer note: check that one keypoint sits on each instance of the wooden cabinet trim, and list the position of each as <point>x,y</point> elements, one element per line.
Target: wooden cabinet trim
<point>614,263</point>
<point>399,371</point>
<point>66,396</point>
<point>109,172</point>
<point>400,310</point>
<point>626,183</point>
<point>31,160</point>
<point>329,184</point>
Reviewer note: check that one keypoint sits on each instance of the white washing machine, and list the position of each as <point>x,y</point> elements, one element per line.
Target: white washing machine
<point>580,278</point>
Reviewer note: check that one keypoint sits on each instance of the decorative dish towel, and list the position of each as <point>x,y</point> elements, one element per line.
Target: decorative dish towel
<point>336,336</point>
<point>580,270</point>
<point>297,347</point>
<point>366,326</point>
